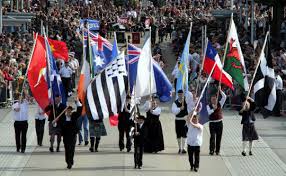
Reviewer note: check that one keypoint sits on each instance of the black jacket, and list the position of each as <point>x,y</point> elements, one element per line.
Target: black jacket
<point>58,109</point>
<point>70,128</point>
<point>143,134</point>
<point>248,116</point>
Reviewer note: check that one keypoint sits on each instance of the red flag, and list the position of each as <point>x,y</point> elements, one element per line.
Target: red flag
<point>37,74</point>
<point>59,49</point>
<point>113,120</point>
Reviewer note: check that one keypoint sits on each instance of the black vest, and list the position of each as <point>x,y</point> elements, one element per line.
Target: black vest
<point>183,112</point>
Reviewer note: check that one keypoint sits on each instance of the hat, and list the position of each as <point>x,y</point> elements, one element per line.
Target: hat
<point>180,91</point>
<point>141,117</point>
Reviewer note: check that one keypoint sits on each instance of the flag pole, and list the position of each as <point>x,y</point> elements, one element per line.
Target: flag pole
<point>203,91</point>
<point>48,71</point>
<point>224,56</point>
<point>257,66</point>
<point>128,79</point>
<point>151,65</point>
<point>25,77</point>
<point>204,50</point>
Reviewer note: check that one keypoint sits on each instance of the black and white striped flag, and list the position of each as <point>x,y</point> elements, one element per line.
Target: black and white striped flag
<point>264,82</point>
<point>106,93</point>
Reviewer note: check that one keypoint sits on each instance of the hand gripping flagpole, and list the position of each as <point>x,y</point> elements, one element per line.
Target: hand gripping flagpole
<point>223,59</point>
<point>25,77</point>
<point>257,66</point>
<point>203,91</point>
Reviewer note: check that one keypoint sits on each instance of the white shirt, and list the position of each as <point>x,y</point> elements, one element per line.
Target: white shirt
<point>65,72</point>
<point>40,115</point>
<point>189,100</point>
<point>147,107</point>
<point>23,114</point>
<point>221,102</point>
<point>195,135</point>
<point>279,83</point>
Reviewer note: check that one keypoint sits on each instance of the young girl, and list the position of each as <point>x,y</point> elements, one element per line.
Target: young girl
<point>248,129</point>
<point>194,140</point>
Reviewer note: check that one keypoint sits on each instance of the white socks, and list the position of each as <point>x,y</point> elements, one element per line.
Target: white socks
<point>183,143</point>
<point>250,145</point>
<point>179,143</point>
<point>244,146</point>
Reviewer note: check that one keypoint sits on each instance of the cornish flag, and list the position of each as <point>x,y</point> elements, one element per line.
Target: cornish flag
<point>264,81</point>
<point>106,93</point>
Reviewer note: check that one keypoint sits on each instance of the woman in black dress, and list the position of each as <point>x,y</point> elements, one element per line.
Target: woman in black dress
<point>155,141</point>
<point>248,129</point>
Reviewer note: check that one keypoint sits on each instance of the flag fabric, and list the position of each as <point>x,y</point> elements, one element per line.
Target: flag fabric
<point>145,81</point>
<point>106,93</point>
<point>101,52</point>
<point>234,63</point>
<point>163,85</point>
<point>55,86</point>
<point>36,74</point>
<point>133,54</point>
<point>183,68</point>
<point>211,58</point>
<point>59,49</point>
<point>85,75</point>
<point>204,116</point>
<point>264,81</point>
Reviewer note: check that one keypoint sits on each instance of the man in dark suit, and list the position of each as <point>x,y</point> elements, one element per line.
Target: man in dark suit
<point>54,129</point>
<point>124,125</point>
<point>69,130</point>
<point>140,135</point>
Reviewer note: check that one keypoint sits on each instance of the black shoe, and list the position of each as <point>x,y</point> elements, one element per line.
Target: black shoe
<point>179,151</point>
<point>128,150</point>
<point>192,168</point>
<point>18,150</point>
<point>243,153</point>
<point>217,153</point>
<point>121,149</point>
<point>51,149</point>
<point>22,151</point>
<point>250,153</point>
<point>95,150</point>
<point>139,167</point>
<point>79,143</point>
<point>91,150</point>
<point>58,149</point>
<point>135,167</point>
<point>69,166</point>
<point>211,152</point>
<point>184,151</point>
<point>86,143</point>
<point>196,169</point>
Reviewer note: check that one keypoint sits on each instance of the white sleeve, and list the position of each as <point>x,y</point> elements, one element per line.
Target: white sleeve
<point>175,109</point>
<point>156,111</point>
<point>223,99</point>
<point>15,105</point>
<point>210,111</point>
<point>146,106</point>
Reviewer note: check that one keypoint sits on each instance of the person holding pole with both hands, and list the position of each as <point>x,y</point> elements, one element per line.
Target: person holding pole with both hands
<point>69,129</point>
<point>215,121</point>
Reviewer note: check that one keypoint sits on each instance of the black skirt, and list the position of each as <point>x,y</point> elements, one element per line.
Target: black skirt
<point>249,133</point>
<point>155,139</point>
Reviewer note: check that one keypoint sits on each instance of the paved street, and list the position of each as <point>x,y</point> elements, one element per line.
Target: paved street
<point>109,160</point>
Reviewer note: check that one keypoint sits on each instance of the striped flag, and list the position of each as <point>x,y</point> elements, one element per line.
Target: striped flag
<point>106,93</point>
<point>264,81</point>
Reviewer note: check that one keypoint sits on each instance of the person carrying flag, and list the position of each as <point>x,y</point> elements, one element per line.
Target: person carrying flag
<point>215,118</point>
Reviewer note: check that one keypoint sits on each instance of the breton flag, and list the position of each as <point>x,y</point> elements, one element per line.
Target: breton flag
<point>264,81</point>
<point>211,58</point>
<point>106,93</point>
<point>145,81</point>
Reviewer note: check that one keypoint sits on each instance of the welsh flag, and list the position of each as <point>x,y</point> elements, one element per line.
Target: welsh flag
<point>234,62</point>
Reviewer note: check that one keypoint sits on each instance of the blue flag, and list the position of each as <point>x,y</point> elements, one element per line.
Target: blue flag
<point>182,79</point>
<point>204,116</point>
<point>55,86</point>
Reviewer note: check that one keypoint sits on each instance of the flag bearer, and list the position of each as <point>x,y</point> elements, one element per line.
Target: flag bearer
<point>69,130</point>
<point>40,119</point>
<point>215,118</point>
